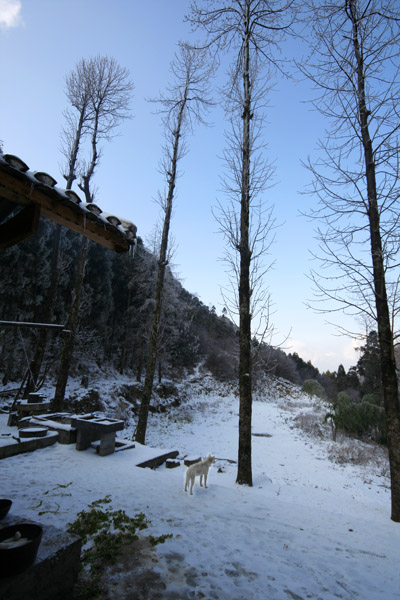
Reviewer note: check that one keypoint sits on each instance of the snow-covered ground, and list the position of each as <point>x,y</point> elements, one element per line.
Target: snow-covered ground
<point>309,528</point>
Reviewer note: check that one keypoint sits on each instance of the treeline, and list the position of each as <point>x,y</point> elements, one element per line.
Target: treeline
<point>115,319</point>
<point>115,312</point>
<point>355,398</point>
<point>115,316</point>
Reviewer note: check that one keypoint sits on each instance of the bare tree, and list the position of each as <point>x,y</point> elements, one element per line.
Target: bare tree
<point>100,92</point>
<point>253,31</point>
<point>77,120</point>
<point>355,64</point>
<point>182,107</point>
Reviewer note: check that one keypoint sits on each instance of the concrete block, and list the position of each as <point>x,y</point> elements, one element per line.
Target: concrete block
<point>155,462</point>
<point>14,447</point>
<point>54,572</point>
<point>107,444</point>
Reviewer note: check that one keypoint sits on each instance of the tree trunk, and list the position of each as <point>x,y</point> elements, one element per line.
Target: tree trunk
<point>124,349</point>
<point>151,357</point>
<point>388,363</point>
<point>244,473</point>
<point>9,372</point>
<point>139,368</point>
<point>37,360</point>
<point>72,323</point>
<point>162,263</point>
<point>159,371</point>
<point>69,341</point>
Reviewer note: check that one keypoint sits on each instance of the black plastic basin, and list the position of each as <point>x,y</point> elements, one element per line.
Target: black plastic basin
<point>16,559</point>
<point>5,506</point>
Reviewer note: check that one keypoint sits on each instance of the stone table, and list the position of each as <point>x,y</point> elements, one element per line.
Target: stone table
<point>91,428</point>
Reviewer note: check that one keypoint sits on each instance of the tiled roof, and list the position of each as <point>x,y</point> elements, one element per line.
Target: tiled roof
<point>21,186</point>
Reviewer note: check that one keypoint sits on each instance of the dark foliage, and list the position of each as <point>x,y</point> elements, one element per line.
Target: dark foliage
<point>115,311</point>
<point>115,318</point>
<point>364,419</point>
<point>356,396</point>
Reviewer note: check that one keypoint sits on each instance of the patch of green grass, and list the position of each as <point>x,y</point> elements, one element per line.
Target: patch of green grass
<point>106,533</point>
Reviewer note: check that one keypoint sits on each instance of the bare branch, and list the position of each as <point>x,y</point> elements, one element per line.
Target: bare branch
<point>183,104</point>
<point>355,63</point>
<point>253,31</point>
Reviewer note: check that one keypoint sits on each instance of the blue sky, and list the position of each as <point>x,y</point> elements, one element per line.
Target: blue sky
<point>42,40</point>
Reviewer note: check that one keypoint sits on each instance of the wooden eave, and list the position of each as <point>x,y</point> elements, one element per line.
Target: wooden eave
<point>19,188</point>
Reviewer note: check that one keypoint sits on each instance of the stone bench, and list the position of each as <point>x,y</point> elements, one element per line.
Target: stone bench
<point>60,422</point>
<point>25,408</point>
<point>11,446</point>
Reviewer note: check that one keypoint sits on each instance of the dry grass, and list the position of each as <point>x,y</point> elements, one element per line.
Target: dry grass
<point>351,451</point>
<point>312,424</point>
<point>346,450</point>
<point>294,405</point>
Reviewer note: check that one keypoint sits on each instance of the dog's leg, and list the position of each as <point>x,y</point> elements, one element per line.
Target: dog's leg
<point>205,479</point>
<point>201,479</point>
<point>191,487</point>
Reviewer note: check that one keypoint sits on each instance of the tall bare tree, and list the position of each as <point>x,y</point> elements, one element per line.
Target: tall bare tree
<point>77,119</point>
<point>253,31</point>
<point>355,64</point>
<point>103,87</point>
<point>182,106</point>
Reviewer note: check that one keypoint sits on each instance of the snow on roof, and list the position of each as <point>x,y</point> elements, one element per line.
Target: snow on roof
<point>64,206</point>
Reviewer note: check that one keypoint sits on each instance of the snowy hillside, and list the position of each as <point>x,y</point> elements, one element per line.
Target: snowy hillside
<point>309,528</point>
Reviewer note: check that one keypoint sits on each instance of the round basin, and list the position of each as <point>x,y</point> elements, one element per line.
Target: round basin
<point>28,432</point>
<point>5,506</point>
<point>18,547</point>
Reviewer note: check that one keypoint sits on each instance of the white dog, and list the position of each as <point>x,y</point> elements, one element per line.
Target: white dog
<point>199,468</point>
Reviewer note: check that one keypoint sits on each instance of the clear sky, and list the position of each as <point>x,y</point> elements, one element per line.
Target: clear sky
<point>42,40</point>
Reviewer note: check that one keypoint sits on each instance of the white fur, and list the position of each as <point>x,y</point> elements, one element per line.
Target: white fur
<point>200,468</point>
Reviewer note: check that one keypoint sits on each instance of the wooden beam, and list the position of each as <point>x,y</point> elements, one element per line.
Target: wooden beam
<point>21,190</point>
<point>81,223</point>
<point>20,226</point>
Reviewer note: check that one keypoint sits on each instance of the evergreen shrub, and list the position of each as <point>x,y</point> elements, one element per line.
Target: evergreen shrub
<point>364,419</point>
<point>313,388</point>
